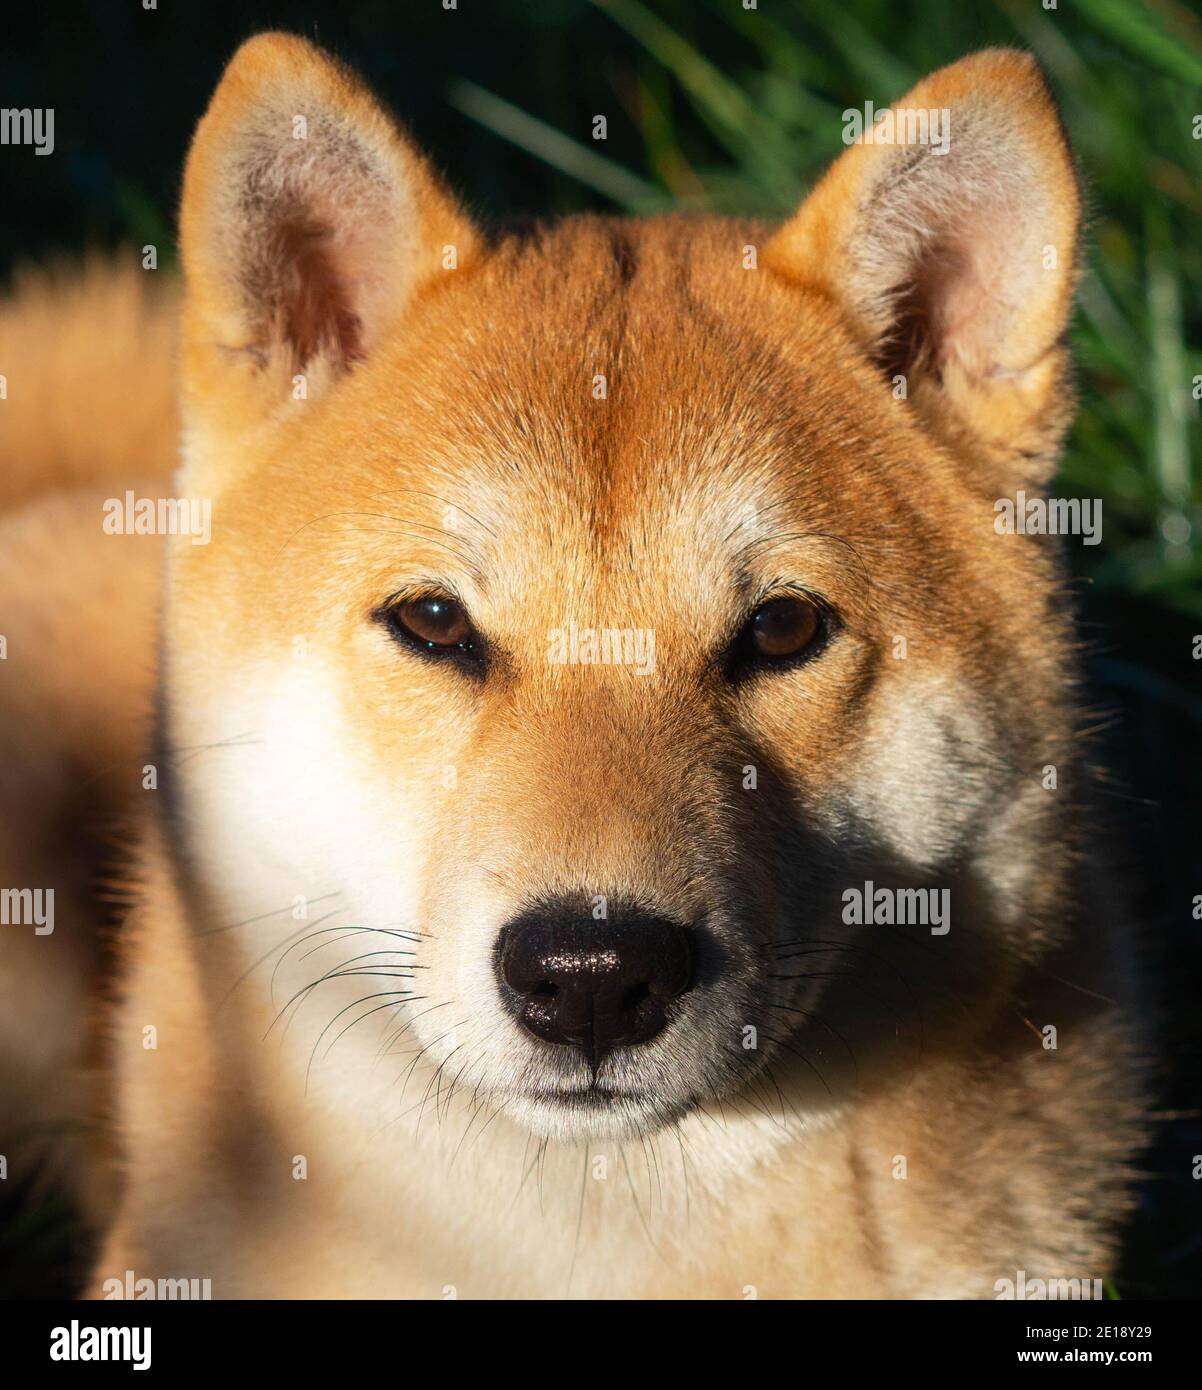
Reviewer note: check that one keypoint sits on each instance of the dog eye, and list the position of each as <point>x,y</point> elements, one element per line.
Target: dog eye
<point>435,626</point>
<point>784,627</point>
<point>437,622</point>
<point>779,631</point>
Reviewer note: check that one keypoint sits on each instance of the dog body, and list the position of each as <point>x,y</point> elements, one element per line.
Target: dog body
<point>331,1080</point>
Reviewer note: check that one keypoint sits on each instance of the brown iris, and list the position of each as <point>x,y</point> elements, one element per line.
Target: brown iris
<point>784,627</point>
<point>435,622</point>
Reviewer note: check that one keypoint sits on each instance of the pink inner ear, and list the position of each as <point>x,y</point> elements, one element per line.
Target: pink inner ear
<point>312,293</point>
<point>956,299</point>
<point>996,271</point>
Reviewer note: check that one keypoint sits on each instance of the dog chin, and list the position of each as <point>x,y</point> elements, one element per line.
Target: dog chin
<point>573,1115</point>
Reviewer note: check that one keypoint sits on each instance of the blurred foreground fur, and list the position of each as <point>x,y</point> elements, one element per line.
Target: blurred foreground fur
<point>91,363</point>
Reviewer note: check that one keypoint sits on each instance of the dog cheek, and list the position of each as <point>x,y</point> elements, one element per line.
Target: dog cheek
<point>914,790</point>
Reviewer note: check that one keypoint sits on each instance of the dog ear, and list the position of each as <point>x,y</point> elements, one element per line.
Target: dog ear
<point>954,261</point>
<point>309,223</point>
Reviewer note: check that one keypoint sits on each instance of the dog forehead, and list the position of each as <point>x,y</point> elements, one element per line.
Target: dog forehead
<point>622,375</point>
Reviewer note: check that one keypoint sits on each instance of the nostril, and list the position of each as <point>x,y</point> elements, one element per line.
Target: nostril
<point>544,990</point>
<point>635,996</point>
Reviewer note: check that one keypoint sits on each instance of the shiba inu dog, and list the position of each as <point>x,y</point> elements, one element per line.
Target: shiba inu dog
<point>619,826</point>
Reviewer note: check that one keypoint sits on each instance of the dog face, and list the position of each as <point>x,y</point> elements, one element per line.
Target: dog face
<point>588,611</point>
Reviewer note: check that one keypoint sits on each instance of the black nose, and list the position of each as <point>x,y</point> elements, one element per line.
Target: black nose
<point>594,985</point>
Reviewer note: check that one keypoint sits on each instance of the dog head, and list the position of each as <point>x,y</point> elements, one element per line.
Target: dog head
<point>589,612</point>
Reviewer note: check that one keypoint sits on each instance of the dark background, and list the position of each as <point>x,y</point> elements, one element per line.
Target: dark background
<point>711,106</point>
